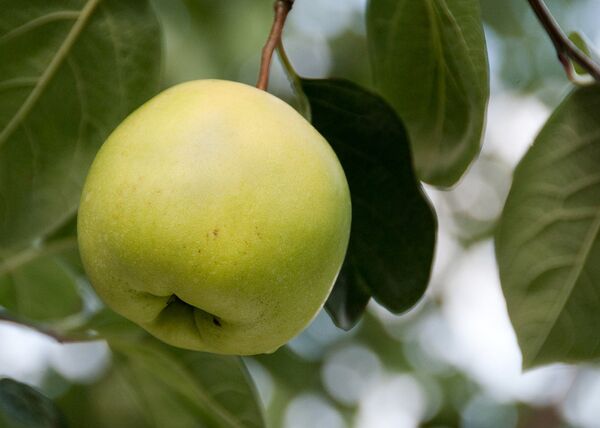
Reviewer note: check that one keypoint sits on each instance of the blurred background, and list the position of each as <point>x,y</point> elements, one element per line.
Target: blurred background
<point>453,360</point>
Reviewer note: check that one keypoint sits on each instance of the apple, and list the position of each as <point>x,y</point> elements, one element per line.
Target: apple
<point>216,218</point>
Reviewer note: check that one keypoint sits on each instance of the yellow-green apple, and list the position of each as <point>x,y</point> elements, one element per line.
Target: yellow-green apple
<point>215,217</point>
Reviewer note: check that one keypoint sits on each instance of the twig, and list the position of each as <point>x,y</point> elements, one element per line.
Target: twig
<point>282,8</point>
<point>566,50</point>
<point>4,316</point>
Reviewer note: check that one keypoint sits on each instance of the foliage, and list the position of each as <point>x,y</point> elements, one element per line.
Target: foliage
<point>71,70</point>
<point>393,227</point>
<point>547,241</point>
<point>429,60</point>
<point>59,102</point>
<point>21,406</point>
<point>150,384</point>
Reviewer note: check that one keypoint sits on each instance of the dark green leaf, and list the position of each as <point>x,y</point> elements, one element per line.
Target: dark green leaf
<point>393,226</point>
<point>21,406</point>
<point>350,295</point>
<point>70,71</point>
<point>155,385</point>
<point>547,242</point>
<point>429,61</point>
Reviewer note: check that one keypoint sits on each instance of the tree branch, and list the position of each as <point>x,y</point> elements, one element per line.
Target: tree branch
<point>6,317</point>
<point>282,8</point>
<point>566,50</point>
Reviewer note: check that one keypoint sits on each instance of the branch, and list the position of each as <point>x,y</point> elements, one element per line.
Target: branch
<point>282,8</point>
<point>566,50</point>
<point>6,317</point>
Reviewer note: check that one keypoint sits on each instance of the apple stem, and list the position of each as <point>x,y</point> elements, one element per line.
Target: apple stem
<point>282,8</point>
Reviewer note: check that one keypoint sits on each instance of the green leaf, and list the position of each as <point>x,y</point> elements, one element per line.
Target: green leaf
<point>43,290</point>
<point>547,242</point>
<point>39,284</point>
<point>21,406</point>
<point>429,61</point>
<point>392,239</point>
<point>228,383</point>
<point>107,324</point>
<point>584,46</point>
<point>70,71</point>
<point>155,385</point>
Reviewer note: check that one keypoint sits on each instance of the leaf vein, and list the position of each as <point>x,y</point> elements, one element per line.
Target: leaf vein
<point>50,71</point>
<point>62,15</point>
<point>578,267</point>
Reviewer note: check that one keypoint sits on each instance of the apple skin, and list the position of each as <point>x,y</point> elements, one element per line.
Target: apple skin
<point>215,217</point>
